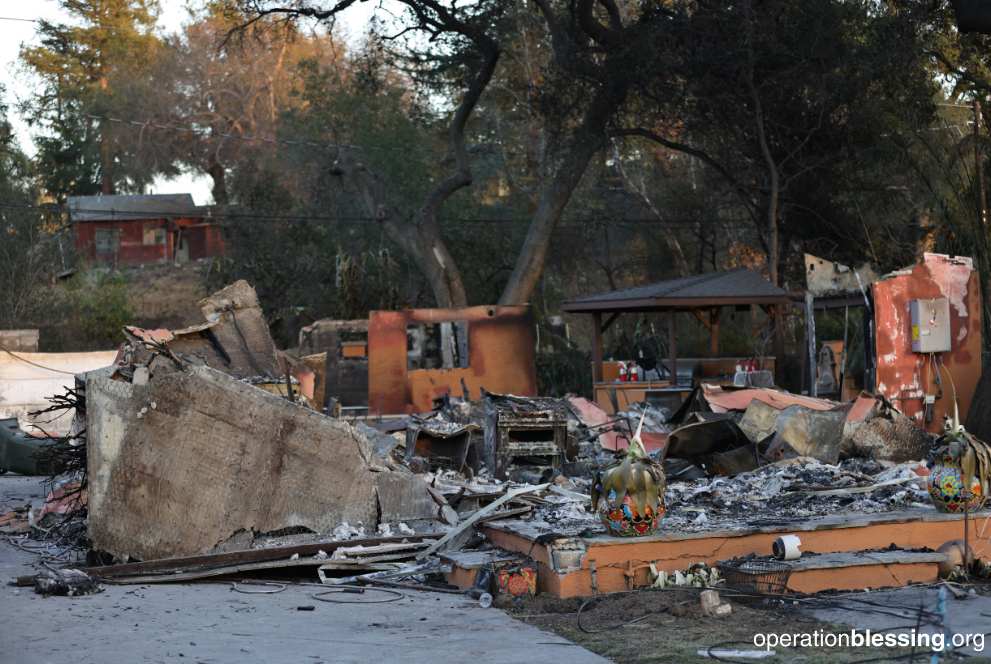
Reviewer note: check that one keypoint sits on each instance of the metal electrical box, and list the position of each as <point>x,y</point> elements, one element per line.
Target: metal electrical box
<point>930,325</point>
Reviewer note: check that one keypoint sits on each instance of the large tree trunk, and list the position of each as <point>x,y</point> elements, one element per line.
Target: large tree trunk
<point>106,161</point>
<point>441,271</point>
<point>587,139</point>
<point>219,190</point>
<point>773,175</point>
<point>418,237</point>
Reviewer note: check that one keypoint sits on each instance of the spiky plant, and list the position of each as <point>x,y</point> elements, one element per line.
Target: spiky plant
<point>635,475</point>
<point>972,455</point>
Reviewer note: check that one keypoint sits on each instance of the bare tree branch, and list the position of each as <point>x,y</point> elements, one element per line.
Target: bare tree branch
<point>703,156</point>
<point>593,28</point>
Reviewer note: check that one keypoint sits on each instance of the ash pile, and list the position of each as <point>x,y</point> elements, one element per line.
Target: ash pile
<point>803,488</point>
<point>758,457</point>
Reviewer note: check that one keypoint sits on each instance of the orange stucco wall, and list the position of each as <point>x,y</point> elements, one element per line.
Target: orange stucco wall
<point>500,357</point>
<point>622,564</point>
<point>904,377</point>
<point>862,576</point>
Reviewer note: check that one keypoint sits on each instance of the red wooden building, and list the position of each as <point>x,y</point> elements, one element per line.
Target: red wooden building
<point>129,230</point>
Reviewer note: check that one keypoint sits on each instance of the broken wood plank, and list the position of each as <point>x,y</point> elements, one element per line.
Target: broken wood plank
<point>574,495</point>
<point>859,489</point>
<point>383,553</point>
<point>354,565</point>
<point>361,550</point>
<point>477,516</point>
<point>347,566</point>
<point>233,558</point>
<point>398,572</point>
<point>383,558</point>
<point>445,512</point>
<point>531,500</point>
<point>506,514</point>
<point>212,572</point>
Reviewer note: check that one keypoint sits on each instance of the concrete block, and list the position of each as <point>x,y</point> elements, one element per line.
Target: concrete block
<point>216,456</point>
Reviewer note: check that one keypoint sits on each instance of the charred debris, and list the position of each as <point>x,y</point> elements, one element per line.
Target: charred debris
<point>206,451</point>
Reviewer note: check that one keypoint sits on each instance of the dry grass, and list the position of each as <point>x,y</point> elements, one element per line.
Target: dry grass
<point>165,295</point>
<point>669,627</point>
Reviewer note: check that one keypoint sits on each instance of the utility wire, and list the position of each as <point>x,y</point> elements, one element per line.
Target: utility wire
<point>239,137</point>
<point>150,215</point>
<point>35,364</point>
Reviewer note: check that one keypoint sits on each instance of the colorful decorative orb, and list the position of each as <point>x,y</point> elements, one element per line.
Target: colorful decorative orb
<point>946,488</point>
<point>520,581</point>
<point>622,519</point>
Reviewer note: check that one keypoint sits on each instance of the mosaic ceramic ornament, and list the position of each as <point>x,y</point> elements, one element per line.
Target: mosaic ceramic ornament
<point>960,461</point>
<point>629,494</point>
<point>623,519</point>
<point>517,581</point>
<point>946,487</point>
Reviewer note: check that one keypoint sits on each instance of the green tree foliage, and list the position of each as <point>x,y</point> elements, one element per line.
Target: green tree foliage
<point>98,66</point>
<point>530,151</point>
<point>97,309</point>
<point>299,231</point>
<point>793,106</point>
<point>27,247</point>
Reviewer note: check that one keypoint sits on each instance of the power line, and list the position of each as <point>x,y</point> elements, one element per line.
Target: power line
<point>151,215</point>
<point>34,364</point>
<point>239,137</point>
<point>272,140</point>
<point>22,20</point>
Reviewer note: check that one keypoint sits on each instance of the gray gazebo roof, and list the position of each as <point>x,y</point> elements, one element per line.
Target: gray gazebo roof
<point>734,287</point>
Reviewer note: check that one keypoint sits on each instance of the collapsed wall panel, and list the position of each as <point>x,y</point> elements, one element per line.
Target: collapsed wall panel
<point>241,330</point>
<point>183,463</point>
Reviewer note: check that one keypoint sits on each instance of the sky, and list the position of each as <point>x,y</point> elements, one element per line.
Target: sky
<point>18,83</point>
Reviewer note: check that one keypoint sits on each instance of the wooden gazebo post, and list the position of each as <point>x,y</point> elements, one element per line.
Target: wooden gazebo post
<point>714,331</point>
<point>597,347</point>
<point>673,347</point>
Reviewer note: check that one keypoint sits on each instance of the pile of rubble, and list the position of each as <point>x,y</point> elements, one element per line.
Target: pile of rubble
<point>782,493</point>
<point>206,452</point>
<point>203,451</point>
<point>774,495</point>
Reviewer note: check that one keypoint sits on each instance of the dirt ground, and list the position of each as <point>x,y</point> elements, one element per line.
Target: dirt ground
<point>165,295</point>
<point>668,626</point>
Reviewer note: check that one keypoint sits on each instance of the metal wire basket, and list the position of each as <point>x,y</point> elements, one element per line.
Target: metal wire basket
<point>755,577</point>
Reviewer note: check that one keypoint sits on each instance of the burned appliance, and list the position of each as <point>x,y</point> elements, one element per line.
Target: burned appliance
<point>524,431</point>
<point>443,443</point>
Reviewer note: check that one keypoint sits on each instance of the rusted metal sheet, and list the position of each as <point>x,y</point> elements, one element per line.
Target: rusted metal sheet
<point>500,357</point>
<point>825,278</point>
<point>722,401</point>
<point>904,377</point>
